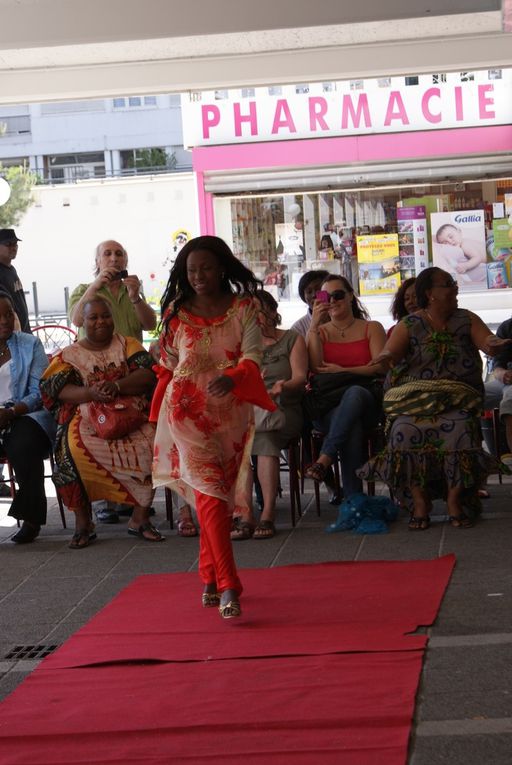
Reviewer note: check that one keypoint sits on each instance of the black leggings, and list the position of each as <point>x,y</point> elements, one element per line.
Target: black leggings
<point>26,446</point>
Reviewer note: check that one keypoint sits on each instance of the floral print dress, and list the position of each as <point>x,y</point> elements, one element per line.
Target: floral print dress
<point>203,443</point>
<point>435,441</point>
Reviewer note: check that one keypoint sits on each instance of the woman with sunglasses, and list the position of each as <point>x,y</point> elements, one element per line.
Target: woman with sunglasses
<point>433,401</point>
<point>347,342</point>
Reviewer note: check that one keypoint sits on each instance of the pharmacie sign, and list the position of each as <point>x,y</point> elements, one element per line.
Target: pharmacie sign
<point>358,107</point>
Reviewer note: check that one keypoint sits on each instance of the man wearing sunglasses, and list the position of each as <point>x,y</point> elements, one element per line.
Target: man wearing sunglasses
<point>9,279</point>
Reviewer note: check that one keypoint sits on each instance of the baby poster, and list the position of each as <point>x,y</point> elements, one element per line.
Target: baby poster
<point>458,246</point>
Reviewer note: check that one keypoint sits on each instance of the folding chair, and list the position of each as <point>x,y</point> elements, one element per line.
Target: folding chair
<point>290,462</point>
<point>54,337</point>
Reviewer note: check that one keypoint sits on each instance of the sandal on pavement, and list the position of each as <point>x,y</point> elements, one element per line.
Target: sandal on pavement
<point>146,528</point>
<point>81,539</point>
<point>241,530</point>
<point>419,523</point>
<point>264,530</point>
<point>460,521</point>
<point>186,526</point>
<point>483,494</point>
<point>316,471</point>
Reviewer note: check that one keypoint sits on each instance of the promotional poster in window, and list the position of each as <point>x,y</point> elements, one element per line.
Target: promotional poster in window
<point>458,246</point>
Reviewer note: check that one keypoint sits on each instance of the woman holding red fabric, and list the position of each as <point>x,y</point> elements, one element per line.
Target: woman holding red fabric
<point>209,376</point>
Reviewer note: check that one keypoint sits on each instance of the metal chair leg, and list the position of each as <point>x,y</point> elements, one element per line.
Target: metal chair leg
<point>168,507</point>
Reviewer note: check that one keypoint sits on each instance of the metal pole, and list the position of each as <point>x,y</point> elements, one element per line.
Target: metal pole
<point>36,301</point>
<point>66,299</point>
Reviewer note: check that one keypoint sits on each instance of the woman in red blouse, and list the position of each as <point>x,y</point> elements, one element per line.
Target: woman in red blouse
<point>345,343</point>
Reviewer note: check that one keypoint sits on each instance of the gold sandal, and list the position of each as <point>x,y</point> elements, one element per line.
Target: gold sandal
<point>210,599</point>
<point>230,609</point>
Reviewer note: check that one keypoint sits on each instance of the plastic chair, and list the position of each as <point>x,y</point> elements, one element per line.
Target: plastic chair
<point>54,337</point>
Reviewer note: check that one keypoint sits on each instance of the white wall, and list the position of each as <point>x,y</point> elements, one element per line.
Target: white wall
<point>61,231</point>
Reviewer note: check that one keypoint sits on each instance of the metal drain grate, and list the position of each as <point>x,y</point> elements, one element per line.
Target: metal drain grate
<point>30,652</point>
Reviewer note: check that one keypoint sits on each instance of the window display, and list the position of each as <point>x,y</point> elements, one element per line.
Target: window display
<point>451,224</point>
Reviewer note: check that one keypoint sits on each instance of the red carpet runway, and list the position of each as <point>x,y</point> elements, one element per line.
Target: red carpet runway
<point>320,670</point>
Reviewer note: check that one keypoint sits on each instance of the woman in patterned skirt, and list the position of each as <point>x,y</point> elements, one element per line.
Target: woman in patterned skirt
<point>432,403</point>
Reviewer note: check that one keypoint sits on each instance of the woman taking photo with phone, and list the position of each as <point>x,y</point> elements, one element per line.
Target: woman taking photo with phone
<point>346,343</point>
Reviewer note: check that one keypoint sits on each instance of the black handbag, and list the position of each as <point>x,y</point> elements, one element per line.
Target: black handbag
<point>325,391</point>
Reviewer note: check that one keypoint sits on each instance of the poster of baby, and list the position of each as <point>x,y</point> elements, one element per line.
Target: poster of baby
<point>458,246</point>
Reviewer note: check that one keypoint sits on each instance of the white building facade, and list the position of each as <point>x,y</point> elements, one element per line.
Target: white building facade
<point>70,140</point>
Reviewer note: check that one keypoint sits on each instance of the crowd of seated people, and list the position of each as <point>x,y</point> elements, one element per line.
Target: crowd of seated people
<point>334,370</point>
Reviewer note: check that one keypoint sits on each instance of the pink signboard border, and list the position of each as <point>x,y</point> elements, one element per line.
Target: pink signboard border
<point>317,152</point>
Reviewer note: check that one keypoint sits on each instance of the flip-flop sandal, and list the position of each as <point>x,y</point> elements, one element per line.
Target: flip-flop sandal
<point>187,528</point>
<point>264,530</point>
<point>316,471</point>
<point>460,521</point>
<point>241,530</point>
<point>146,527</point>
<point>419,523</point>
<point>87,536</point>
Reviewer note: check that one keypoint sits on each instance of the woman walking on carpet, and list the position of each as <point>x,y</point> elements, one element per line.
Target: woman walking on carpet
<point>211,349</point>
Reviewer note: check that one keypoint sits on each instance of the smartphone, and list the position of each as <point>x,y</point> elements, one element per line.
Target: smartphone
<point>120,275</point>
<point>322,296</point>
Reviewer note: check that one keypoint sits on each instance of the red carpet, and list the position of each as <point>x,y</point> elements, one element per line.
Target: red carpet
<point>319,670</point>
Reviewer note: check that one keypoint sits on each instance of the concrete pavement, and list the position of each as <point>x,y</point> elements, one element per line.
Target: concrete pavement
<point>464,704</point>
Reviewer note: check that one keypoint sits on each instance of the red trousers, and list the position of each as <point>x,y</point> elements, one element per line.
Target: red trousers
<point>216,560</point>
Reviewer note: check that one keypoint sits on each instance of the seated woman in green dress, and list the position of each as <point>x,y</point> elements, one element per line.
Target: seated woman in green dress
<point>433,400</point>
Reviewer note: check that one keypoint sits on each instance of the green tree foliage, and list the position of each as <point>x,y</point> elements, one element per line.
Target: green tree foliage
<point>149,158</point>
<point>21,180</point>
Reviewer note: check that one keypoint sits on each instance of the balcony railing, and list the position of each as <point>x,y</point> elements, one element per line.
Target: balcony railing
<point>76,173</point>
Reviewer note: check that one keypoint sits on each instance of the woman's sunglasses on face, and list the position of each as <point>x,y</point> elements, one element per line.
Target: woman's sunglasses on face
<point>337,295</point>
<point>327,297</point>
